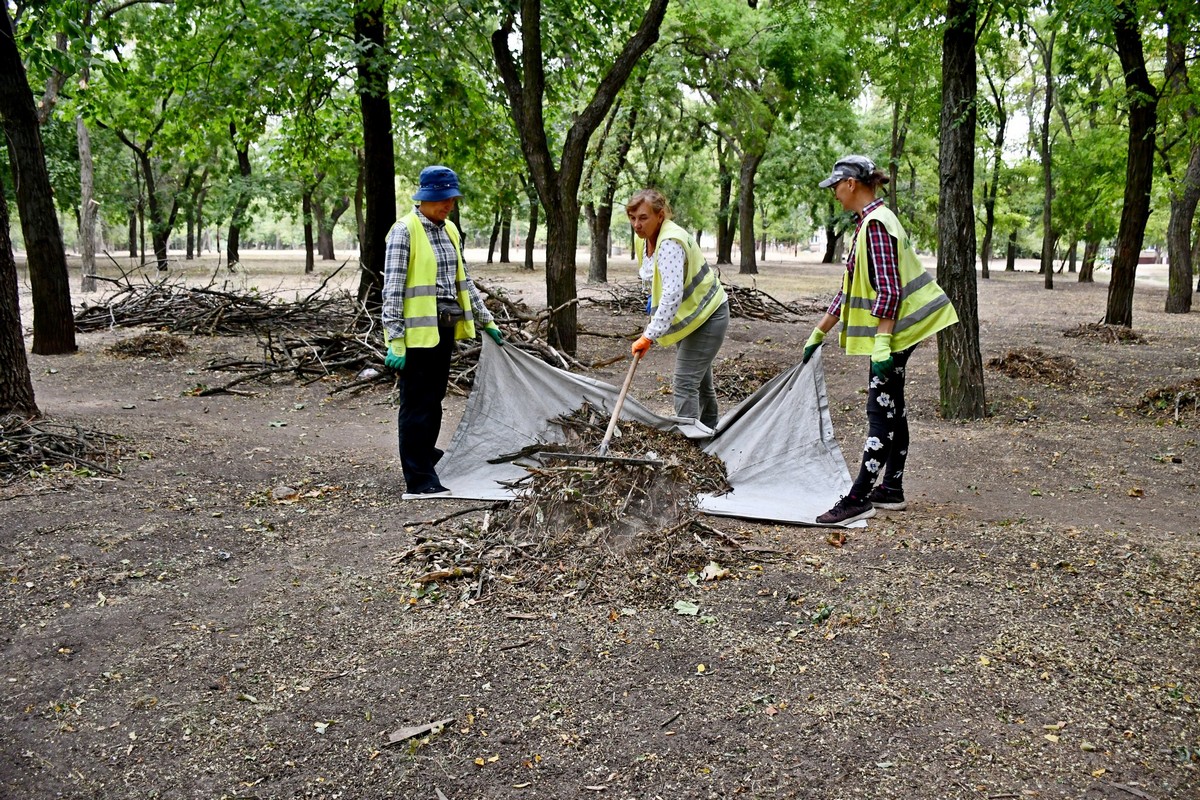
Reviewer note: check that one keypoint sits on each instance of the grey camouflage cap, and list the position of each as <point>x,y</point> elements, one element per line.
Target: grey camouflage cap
<point>857,167</point>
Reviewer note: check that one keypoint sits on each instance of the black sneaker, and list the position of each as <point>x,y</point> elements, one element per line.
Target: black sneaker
<point>887,499</point>
<point>427,492</point>
<point>848,509</point>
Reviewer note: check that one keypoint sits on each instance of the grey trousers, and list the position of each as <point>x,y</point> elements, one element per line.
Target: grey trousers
<point>695,396</point>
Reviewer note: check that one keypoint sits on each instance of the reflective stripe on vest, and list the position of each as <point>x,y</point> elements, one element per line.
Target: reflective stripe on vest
<point>924,307</point>
<point>702,290</point>
<point>420,288</point>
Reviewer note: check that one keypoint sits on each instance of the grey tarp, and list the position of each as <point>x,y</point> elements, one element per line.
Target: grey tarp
<point>777,445</point>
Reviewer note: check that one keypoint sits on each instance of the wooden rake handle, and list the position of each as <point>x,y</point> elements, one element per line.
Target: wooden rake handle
<point>616,414</point>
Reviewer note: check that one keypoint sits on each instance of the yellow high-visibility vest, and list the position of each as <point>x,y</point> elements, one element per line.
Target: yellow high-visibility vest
<point>420,288</point>
<point>702,290</point>
<point>924,307</point>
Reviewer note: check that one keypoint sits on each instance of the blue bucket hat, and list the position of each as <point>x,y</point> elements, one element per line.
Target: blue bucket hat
<point>437,183</point>
<point>857,167</point>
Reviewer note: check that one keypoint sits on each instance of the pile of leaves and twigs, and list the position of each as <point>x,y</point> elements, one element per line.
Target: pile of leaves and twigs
<point>1109,334</point>
<point>149,345</point>
<point>735,379</point>
<point>1030,363</point>
<point>29,447</point>
<point>1173,401</point>
<point>744,302</point>
<point>311,338</point>
<point>622,526</point>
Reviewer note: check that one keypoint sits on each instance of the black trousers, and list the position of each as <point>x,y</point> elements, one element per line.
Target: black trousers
<point>423,385</point>
<point>886,448</point>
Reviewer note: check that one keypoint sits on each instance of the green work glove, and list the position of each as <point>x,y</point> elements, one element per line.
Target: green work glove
<point>814,341</point>
<point>395,356</point>
<point>881,356</point>
<point>493,330</point>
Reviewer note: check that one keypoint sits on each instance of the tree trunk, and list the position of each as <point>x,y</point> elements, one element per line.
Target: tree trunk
<point>992,189</point>
<point>749,168</point>
<point>238,219</point>
<point>1139,167</point>
<point>16,385</point>
<point>378,148</point>
<point>360,217</point>
<point>960,366</point>
<point>133,233</point>
<point>87,205</point>
<point>506,217</point>
<point>1072,255</point>
<point>189,248</point>
<point>832,237</point>
<point>1186,192</point>
<point>306,214</point>
<point>327,224</point>
<point>495,235</point>
<point>725,213</point>
<point>899,135</point>
<point>531,234</point>
<point>53,321</point>
<point>1048,237</point>
<point>1091,247</point>
<point>600,225</point>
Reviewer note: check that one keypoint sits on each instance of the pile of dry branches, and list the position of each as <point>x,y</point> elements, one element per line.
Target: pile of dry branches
<point>306,340</point>
<point>616,525</point>
<point>167,304</point>
<point>30,446</point>
<point>1031,363</point>
<point>1109,334</point>
<point>744,302</point>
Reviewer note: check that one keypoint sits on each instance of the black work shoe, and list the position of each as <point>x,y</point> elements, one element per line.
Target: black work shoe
<point>848,509</point>
<point>887,499</point>
<point>427,492</point>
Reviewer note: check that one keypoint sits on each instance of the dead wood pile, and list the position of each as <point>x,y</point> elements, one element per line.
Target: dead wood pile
<point>149,345</point>
<point>1030,363</point>
<point>29,447</point>
<point>1173,400</point>
<point>315,337</point>
<point>168,305</point>
<point>1109,334</point>
<point>744,302</point>
<point>622,528</point>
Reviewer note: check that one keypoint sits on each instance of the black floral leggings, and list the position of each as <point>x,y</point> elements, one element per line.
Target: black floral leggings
<point>887,430</point>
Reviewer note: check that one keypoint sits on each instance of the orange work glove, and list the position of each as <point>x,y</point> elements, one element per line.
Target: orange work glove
<point>642,346</point>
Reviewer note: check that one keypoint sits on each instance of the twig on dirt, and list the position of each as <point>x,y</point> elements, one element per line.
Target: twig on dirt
<point>1130,790</point>
<point>516,645</point>
<point>447,517</point>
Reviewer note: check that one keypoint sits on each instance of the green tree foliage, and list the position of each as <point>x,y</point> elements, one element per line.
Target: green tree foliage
<point>757,71</point>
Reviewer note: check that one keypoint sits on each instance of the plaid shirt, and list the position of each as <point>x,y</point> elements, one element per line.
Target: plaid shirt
<point>395,274</point>
<point>883,265</point>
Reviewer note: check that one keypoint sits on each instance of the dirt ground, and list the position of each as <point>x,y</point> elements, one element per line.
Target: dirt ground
<point>1026,629</point>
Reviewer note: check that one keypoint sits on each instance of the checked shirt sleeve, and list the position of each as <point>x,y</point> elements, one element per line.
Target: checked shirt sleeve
<point>884,263</point>
<point>395,274</point>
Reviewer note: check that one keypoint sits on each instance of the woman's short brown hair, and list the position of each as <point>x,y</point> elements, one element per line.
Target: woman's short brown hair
<point>656,199</point>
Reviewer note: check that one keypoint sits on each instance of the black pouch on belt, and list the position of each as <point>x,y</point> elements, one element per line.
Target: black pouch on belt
<point>449,313</point>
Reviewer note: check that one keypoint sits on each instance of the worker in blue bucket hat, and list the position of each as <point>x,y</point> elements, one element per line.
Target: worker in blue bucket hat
<point>429,303</point>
